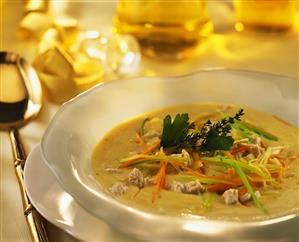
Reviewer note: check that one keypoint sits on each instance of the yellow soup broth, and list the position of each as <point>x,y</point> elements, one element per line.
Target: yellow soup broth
<point>120,142</point>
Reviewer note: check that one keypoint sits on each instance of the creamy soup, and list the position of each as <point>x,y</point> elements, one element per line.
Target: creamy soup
<point>244,168</point>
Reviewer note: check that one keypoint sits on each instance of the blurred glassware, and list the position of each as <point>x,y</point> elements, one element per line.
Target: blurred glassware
<point>36,6</point>
<point>68,66</point>
<point>266,15</point>
<point>70,60</point>
<point>119,54</point>
<point>167,29</point>
<point>36,19</point>
<point>34,24</point>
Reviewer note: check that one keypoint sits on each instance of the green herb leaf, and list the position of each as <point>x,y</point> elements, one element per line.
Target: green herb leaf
<point>179,133</point>
<point>217,135</point>
<point>214,141</point>
<point>174,132</point>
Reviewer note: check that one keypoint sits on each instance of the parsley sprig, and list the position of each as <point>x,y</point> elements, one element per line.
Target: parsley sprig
<point>174,132</point>
<point>180,133</point>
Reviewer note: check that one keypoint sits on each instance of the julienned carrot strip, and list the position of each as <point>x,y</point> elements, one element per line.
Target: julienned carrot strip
<point>283,163</point>
<point>236,181</point>
<point>254,181</point>
<point>233,183</point>
<point>140,140</point>
<point>256,178</point>
<point>160,179</point>
<point>241,149</point>
<point>231,172</point>
<point>229,155</point>
<point>242,192</point>
<point>220,187</point>
<point>151,148</point>
<point>277,175</point>
<point>281,159</point>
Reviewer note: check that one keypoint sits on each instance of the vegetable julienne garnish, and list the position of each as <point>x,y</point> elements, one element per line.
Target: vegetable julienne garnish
<point>248,187</point>
<point>227,159</point>
<point>247,129</point>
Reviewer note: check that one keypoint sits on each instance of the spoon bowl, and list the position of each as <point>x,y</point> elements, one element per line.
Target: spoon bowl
<point>21,92</point>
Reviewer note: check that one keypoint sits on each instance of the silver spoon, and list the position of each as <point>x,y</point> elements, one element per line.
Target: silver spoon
<point>20,101</point>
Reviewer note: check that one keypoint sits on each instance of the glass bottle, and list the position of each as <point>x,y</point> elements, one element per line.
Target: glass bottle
<point>167,29</point>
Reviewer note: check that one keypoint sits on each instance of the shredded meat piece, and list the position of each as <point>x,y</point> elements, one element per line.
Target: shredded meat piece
<point>258,194</point>
<point>175,186</point>
<point>136,178</point>
<point>249,157</point>
<point>194,187</point>
<point>237,156</point>
<point>151,134</point>
<point>184,154</point>
<point>118,188</point>
<point>254,148</point>
<point>112,169</point>
<point>247,196</point>
<point>148,181</point>
<point>257,141</point>
<point>242,141</point>
<point>230,196</point>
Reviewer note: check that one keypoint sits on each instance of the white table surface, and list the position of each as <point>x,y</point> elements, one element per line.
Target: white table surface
<point>273,53</point>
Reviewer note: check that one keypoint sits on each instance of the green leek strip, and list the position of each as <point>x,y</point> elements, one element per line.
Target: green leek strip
<point>248,187</point>
<point>250,167</point>
<point>258,130</point>
<point>141,161</point>
<point>204,180</point>
<point>207,200</point>
<point>273,167</point>
<point>142,158</point>
<point>244,132</point>
<point>142,126</point>
<point>267,154</point>
<point>247,130</point>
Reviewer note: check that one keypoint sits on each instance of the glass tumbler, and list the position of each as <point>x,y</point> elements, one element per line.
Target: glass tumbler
<point>167,29</point>
<point>267,15</point>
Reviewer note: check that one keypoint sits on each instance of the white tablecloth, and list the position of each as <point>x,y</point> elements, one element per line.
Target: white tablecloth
<point>274,53</point>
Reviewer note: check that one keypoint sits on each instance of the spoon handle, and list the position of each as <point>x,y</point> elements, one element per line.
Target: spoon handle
<point>33,218</point>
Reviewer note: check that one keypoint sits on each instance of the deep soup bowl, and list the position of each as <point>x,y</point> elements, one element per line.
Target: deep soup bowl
<point>81,123</point>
